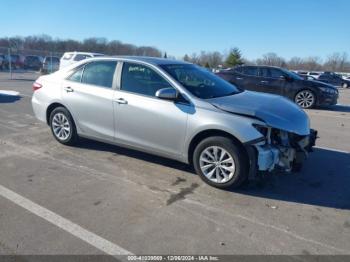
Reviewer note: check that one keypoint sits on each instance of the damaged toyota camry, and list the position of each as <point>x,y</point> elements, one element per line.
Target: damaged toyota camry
<point>176,110</point>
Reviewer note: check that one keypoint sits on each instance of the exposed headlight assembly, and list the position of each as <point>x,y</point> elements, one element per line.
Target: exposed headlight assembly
<point>262,129</point>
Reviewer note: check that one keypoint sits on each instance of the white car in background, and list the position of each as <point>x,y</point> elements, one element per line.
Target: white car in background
<point>315,74</point>
<point>69,58</point>
<point>312,74</point>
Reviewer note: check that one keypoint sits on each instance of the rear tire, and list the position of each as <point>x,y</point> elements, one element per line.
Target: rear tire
<point>63,127</point>
<point>220,162</point>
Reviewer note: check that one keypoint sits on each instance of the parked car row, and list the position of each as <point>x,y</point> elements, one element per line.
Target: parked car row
<point>279,81</point>
<point>17,61</point>
<point>313,75</point>
<point>334,79</point>
<point>45,64</point>
<point>32,62</point>
<point>327,77</point>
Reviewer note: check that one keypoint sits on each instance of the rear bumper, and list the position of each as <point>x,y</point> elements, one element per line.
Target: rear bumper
<point>39,109</point>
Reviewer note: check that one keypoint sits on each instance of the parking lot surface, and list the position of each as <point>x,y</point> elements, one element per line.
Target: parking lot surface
<point>96,198</point>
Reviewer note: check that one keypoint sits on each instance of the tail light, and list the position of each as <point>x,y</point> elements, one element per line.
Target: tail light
<point>36,86</point>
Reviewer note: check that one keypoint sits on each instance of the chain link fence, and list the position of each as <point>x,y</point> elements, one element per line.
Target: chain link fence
<point>27,63</point>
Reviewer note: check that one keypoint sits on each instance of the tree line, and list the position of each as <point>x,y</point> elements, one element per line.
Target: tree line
<point>97,45</point>
<point>336,62</point>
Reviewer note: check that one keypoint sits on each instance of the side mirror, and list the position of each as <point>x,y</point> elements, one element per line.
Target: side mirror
<point>286,78</point>
<point>167,93</point>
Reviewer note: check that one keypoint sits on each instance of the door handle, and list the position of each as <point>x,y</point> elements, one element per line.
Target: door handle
<point>121,101</point>
<point>68,89</point>
<point>264,82</point>
<point>239,78</point>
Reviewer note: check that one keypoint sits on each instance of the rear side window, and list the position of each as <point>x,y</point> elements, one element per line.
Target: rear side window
<point>275,73</point>
<point>99,73</point>
<point>76,76</point>
<point>67,56</point>
<point>141,80</point>
<point>250,71</point>
<point>271,72</point>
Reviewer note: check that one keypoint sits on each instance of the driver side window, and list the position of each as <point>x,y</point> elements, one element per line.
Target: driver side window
<point>142,80</point>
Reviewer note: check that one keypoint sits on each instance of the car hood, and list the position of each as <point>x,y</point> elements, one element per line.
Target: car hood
<point>316,83</point>
<point>276,111</point>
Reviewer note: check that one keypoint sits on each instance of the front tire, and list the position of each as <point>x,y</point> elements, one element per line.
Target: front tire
<point>305,99</point>
<point>220,162</point>
<point>63,127</point>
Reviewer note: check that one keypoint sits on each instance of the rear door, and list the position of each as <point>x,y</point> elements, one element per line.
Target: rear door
<point>88,94</point>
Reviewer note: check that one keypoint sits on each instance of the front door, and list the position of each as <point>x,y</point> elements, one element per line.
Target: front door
<point>271,80</point>
<point>145,121</point>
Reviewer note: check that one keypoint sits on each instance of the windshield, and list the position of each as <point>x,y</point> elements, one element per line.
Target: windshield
<point>199,81</point>
<point>292,74</point>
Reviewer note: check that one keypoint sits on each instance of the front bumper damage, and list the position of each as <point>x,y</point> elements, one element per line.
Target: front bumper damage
<point>281,151</point>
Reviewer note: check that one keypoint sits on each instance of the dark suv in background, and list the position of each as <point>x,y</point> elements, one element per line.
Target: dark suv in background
<point>33,62</point>
<point>334,79</point>
<point>279,81</point>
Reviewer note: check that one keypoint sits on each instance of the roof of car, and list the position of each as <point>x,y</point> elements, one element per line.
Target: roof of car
<point>258,66</point>
<point>83,53</point>
<point>147,59</point>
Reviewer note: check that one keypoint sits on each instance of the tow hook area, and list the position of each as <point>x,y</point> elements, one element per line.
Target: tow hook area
<point>267,157</point>
<point>285,153</point>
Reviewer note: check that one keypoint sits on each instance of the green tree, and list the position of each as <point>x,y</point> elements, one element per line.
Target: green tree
<point>187,58</point>
<point>207,65</point>
<point>234,58</point>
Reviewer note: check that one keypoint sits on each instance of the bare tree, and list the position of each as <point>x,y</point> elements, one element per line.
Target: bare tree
<point>45,43</point>
<point>336,62</point>
<point>312,63</point>
<point>296,63</point>
<point>271,59</point>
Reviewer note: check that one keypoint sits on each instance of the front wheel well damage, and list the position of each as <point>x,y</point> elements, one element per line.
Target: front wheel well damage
<point>209,133</point>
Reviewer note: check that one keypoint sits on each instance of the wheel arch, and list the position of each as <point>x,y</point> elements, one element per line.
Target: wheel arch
<point>52,107</point>
<point>313,90</point>
<point>209,133</point>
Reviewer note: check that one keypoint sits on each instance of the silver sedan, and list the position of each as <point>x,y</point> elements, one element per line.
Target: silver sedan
<point>176,110</point>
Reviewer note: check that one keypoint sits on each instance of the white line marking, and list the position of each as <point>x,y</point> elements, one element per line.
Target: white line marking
<point>332,149</point>
<point>63,223</point>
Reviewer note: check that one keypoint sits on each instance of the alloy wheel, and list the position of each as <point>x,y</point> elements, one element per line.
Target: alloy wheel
<point>61,126</point>
<point>217,164</point>
<point>305,99</point>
